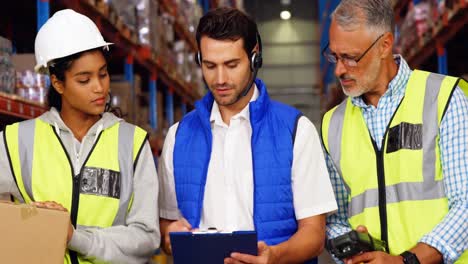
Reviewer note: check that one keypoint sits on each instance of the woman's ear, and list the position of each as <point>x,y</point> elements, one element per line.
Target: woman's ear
<point>57,84</point>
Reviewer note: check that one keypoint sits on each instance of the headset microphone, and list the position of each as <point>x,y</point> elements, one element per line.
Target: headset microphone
<point>249,85</point>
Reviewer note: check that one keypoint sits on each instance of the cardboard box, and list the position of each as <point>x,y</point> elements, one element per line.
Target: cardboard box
<point>32,235</point>
<point>23,62</point>
<point>121,98</point>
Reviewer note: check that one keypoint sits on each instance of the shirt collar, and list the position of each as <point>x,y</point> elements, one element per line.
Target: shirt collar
<point>397,85</point>
<point>243,114</point>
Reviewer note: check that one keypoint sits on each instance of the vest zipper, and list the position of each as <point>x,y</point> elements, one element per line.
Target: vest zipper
<point>379,156</point>
<point>382,193</point>
<point>75,196</point>
<point>75,190</point>
<point>74,209</point>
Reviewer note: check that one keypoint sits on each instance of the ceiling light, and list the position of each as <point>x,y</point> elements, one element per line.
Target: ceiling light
<point>285,15</point>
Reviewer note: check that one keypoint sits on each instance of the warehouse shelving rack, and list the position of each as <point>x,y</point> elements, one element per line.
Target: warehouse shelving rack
<point>132,53</point>
<point>160,80</point>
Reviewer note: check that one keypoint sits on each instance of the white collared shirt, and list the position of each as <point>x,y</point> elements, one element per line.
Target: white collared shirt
<point>228,200</point>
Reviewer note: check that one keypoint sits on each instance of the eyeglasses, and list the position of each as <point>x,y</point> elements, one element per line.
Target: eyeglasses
<point>350,62</point>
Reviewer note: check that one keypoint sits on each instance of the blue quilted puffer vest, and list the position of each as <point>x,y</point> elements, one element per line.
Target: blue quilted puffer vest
<point>273,131</point>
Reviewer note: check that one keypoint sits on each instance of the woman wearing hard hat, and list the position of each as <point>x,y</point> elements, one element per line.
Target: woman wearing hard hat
<point>79,157</point>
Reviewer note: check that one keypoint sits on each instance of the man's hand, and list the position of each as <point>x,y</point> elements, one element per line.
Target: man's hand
<point>168,226</point>
<point>266,255</point>
<point>374,256</point>
<point>56,206</point>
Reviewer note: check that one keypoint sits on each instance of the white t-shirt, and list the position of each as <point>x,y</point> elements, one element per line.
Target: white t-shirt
<point>228,200</point>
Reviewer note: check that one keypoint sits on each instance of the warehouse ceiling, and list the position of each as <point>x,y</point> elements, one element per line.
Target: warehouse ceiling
<point>266,10</point>
<point>290,57</point>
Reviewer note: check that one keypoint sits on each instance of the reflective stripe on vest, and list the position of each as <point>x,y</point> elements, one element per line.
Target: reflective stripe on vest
<point>43,171</point>
<point>404,190</point>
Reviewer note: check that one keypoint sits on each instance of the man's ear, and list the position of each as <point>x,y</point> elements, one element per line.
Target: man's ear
<point>387,45</point>
<point>57,84</point>
<point>256,49</point>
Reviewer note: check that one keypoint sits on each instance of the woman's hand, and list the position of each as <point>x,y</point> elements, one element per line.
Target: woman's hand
<point>56,206</point>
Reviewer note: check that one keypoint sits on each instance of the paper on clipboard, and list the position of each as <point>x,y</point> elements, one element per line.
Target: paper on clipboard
<point>211,247</point>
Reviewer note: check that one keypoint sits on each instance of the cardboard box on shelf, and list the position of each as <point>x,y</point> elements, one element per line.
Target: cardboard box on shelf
<point>29,84</point>
<point>7,71</point>
<point>24,62</point>
<point>32,86</point>
<point>121,98</point>
<point>102,7</point>
<point>189,14</point>
<point>142,110</point>
<point>121,89</point>
<point>160,42</point>
<point>142,113</point>
<point>137,84</point>
<point>32,235</point>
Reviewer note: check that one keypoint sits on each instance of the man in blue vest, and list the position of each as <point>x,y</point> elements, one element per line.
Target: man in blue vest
<point>241,161</point>
<point>397,148</point>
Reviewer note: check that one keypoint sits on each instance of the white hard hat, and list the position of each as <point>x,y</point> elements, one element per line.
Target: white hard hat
<point>65,33</point>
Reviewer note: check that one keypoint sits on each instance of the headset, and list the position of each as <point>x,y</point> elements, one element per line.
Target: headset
<point>256,62</point>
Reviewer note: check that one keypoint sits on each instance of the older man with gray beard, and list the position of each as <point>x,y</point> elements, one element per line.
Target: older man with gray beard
<point>396,148</point>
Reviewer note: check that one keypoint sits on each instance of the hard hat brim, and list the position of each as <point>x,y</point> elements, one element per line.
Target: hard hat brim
<point>43,69</point>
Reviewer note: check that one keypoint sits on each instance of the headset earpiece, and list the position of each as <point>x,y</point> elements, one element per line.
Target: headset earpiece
<point>256,61</point>
<point>198,59</point>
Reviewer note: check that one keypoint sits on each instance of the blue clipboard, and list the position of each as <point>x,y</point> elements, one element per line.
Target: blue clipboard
<point>211,248</point>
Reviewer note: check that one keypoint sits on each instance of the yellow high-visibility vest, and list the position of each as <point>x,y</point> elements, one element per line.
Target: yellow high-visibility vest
<point>401,184</point>
<point>99,196</point>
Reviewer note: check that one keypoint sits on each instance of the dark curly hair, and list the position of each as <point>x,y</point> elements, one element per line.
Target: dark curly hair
<point>228,24</point>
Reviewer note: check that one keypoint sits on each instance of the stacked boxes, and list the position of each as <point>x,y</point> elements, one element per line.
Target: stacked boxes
<point>137,16</point>
<point>156,30</point>
<point>165,40</point>
<point>32,86</point>
<point>29,84</point>
<point>7,71</point>
<point>134,109</point>
<point>189,14</point>
<point>121,97</point>
<point>415,26</point>
<point>422,21</point>
<point>152,23</point>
